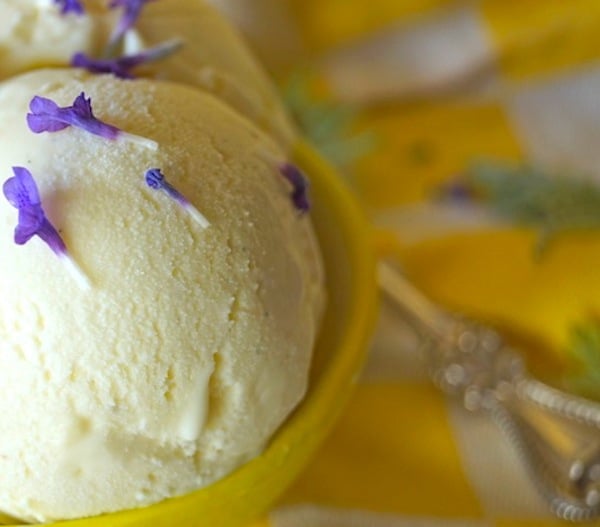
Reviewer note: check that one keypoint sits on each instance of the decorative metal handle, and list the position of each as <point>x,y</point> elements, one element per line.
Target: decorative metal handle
<point>556,434</point>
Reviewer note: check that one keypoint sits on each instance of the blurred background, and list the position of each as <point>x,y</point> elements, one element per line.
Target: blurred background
<point>470,133</point>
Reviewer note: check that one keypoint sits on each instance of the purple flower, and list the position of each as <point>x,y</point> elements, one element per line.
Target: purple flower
<point>22,193</point>
<point>131,12</point>
<point>456,191</point>
<point>299,186</point>
<point>121,66</point>
<point>47,116</point>
<point>156,180</point>
<point>70,6</point>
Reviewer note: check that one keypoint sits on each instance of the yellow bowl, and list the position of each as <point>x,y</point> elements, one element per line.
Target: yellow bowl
<point>350,266</point>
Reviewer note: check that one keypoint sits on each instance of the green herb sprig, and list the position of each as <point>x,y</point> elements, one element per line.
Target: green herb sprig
<point>584,349</point>
<point>329,125</point>
<point>551,203</point>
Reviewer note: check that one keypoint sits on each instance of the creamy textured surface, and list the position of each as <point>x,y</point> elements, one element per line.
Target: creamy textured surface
<point>34,34</point>
<point>192,346</point>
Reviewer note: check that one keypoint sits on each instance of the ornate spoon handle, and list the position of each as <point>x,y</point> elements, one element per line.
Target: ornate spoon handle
<point>557,435</point>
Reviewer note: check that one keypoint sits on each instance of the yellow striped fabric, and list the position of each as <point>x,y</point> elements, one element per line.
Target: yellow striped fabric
<point>403,454</point>
<point>326,24</point>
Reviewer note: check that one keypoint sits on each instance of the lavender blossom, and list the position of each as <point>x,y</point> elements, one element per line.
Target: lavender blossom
<point>121,66</point>
<point>22,193</point>
<point>456,191</point>
<point>156,180</point>
<point>131,12</point>
<point>299,186</point>
<point>47,116</point>
<point>70,6</point>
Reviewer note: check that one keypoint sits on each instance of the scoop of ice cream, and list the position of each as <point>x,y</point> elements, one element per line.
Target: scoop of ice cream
<point>213,58</point>
<point>192,344</point>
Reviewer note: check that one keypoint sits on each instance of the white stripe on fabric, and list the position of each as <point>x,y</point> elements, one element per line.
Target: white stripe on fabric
<point>434,53</point>
<point>557,121</point>
<point>417,222</point>
<point>493,467</point>
<point>313,516</point>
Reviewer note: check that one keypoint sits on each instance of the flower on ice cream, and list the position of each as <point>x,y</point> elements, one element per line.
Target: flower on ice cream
<point>47,116</point>
<point>70,6</point>
<point>131,12</point>
<point>156,180</point>
<point>121,66</point>
<point>299,186</point>
<point>22,193</point>
<point>294,177</point>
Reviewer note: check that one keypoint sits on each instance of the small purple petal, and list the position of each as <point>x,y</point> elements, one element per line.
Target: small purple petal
<point>121,66</point>
<point>38,121</point>
<point>42,105</point>
<point>31,218</point>
<point>299,186</point>
<point>81,116</point>
<point>81,60</point>
<point>131,12</point>
<point>21,190</point>
<point>456,191</point>
<point>70,6</point>
<point>50,235</point>
<point>156,180</point>
<point>83,107</point>
<point>22,193</point>
<point>47,116</point>
<point>26,228</point>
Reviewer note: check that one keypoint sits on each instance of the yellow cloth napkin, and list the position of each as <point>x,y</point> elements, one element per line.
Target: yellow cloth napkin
<point>442,83</point>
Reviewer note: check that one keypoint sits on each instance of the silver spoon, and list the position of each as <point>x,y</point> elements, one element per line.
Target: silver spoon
<point>557,435</point>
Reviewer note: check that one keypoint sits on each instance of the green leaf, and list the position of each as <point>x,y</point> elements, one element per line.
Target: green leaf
<point>552,203</point>
<point>327,124</point>
<point>584,350</point>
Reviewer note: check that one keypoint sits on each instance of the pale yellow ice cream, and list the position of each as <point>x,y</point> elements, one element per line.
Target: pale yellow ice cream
<point>192,344</point>
<point>213,58</point>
